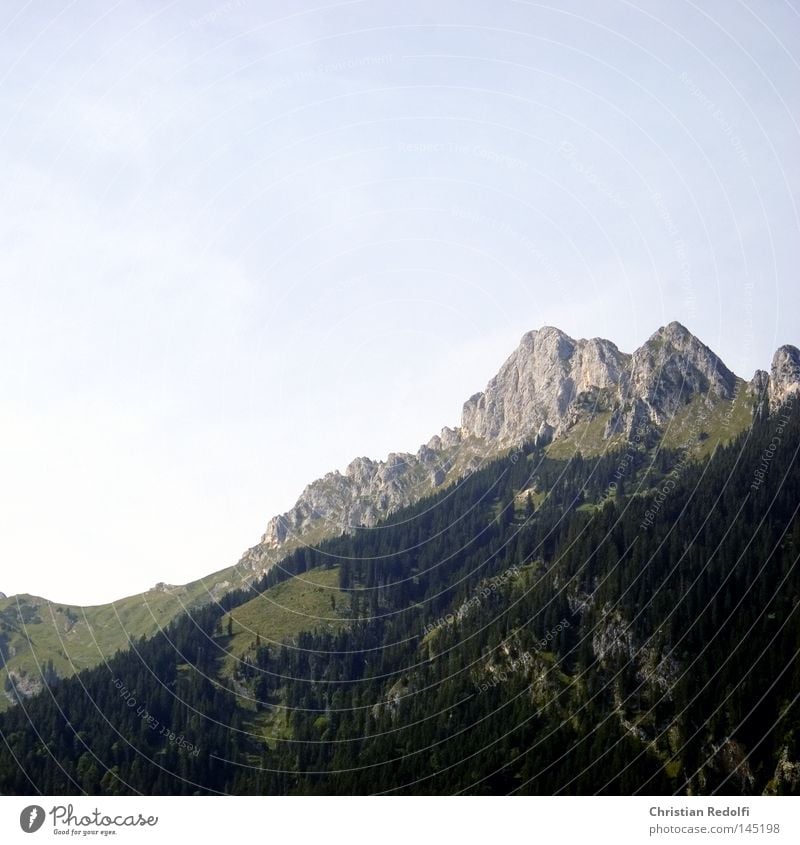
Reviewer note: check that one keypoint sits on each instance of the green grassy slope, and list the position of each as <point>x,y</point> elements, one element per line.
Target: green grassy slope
<point>304,603</point>
<point>706,422</point>
<point>35,631</point>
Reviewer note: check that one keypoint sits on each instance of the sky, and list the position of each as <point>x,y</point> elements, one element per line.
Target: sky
<point>242,242</point>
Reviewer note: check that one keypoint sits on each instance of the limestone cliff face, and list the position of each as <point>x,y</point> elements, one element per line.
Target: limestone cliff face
<point>539,383</point>
<point>369,490</point>
<point>551,381</point>
<point>549,384</point>
<point>671,368</point>
<point>366,491</point>
<point>784,376</point>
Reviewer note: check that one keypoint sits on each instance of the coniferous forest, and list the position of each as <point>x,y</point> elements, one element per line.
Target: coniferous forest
<point>615,625</point>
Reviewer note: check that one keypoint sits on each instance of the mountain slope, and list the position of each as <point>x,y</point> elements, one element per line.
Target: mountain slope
<point>571,395</point>
<point>42,641</point>
<point>635,629</point>
<point>554,388</point>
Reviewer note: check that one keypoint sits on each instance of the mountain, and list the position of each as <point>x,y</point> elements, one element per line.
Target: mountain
<point>583,395</point>
<point>568,396</point>
<point>625,623</point>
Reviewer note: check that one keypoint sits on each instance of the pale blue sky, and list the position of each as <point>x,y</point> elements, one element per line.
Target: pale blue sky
<point>243,242</point>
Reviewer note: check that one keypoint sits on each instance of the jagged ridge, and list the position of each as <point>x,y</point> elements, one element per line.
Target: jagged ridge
<point>548,385</point>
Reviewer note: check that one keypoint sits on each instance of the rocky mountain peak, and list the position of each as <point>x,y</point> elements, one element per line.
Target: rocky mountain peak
<point>547,386</point>
<point>538,383</point>
<point>758,388</point>
<point>671,367</point>
<point>675,332</point>
<point>784,374</point>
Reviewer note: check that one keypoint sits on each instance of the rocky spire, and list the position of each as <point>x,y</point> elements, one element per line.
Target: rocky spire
<point>784,378</point>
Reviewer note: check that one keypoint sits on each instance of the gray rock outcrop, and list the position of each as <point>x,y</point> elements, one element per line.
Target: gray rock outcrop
<point>539,383</point>
<point>784,376</point>
<point>548,385</point>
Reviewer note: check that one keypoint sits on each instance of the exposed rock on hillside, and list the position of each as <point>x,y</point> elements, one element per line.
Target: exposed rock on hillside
<point>549,385</point>
<point>785,374</point>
